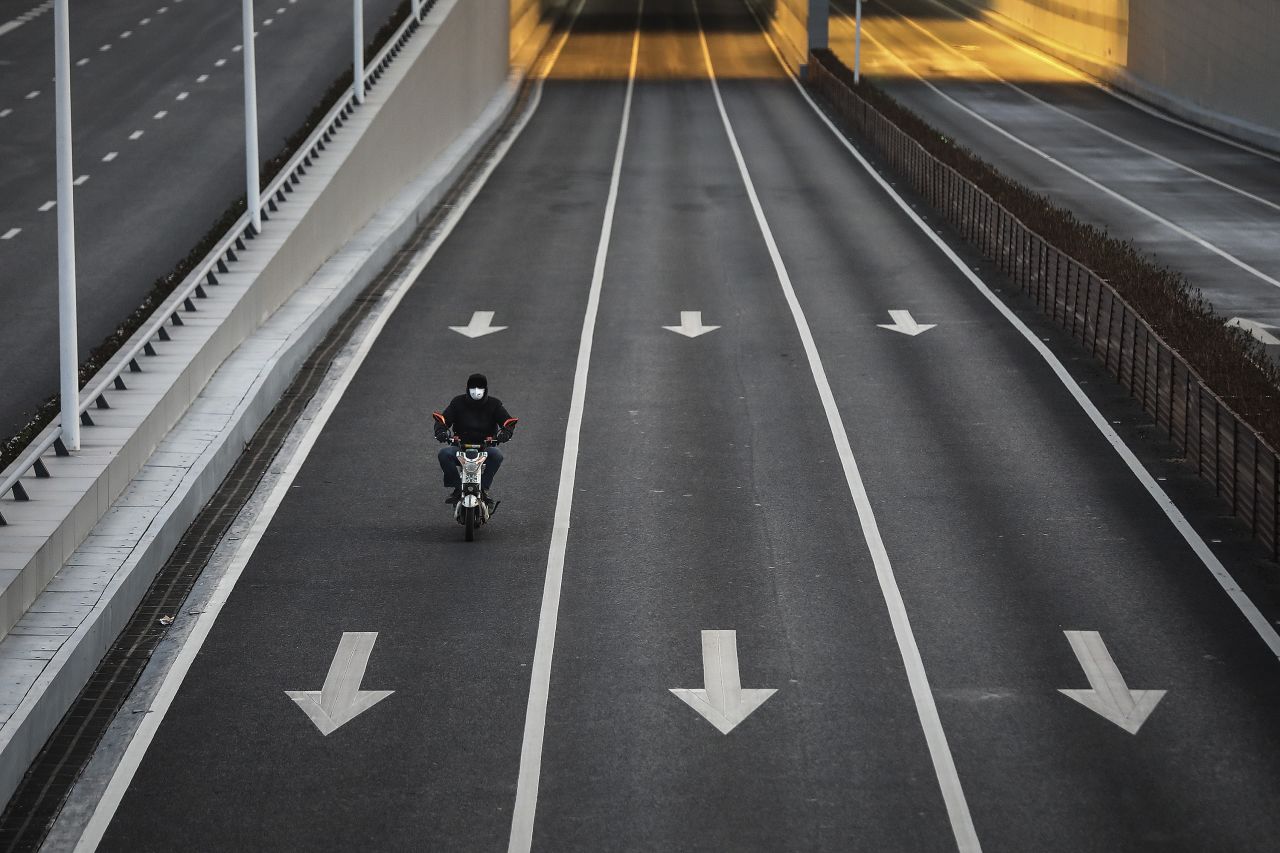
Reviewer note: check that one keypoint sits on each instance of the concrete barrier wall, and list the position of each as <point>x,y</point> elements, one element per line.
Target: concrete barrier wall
<point>531,22</point>
<point>1215,63</point>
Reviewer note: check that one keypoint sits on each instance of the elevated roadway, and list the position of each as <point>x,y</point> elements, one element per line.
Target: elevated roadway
<point>157,105</point>
<point>800,573</point>
<point>1199,202</point>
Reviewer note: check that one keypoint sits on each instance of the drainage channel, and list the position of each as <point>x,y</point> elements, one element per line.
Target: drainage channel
<point>39,798</point>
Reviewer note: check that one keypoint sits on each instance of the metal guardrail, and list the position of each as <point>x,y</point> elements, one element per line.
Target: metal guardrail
<point>1227,452</point>
<point>111,377</point>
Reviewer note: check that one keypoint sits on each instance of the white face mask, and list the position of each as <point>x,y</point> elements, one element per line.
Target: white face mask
<point>476,393</point>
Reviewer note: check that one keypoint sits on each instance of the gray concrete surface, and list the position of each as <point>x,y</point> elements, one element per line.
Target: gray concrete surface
<point>141,212</point>
<point>1204,207</point>
<point>709,496</point>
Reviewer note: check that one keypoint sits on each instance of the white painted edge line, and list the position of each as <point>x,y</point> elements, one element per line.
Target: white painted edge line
<point>1238,597</point>
<point>1191,170</point>
<point>1093,182</point>
<point>1106,88</point>
<point>944,766</point>
<point>524,811</point>
<point>141,740</point>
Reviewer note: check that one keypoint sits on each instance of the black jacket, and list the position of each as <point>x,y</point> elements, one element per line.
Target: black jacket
<point>475,420</point>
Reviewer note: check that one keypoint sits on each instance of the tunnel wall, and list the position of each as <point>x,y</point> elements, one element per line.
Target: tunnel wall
<point>1215,63</point>
<point>530,25</point>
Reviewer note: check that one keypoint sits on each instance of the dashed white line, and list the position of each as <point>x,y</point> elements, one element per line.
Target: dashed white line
<point>160,115</point>
<point>29,15</point>
<point>268,22</point>
<point>47,206</point>
<point>238,48</point>
<point>126,34</point>
<point>104,48</point>
<point>135,136</point>
<point>202,78</point>
<point>111,156</point>
<point>144,22</point>
<point>80,181</point>
<point>33,94</point>
<point>220,63</point>
<point>11,233</point>
<point>162,10</point>
<point>82,62</point>
<point>281,10</point>
<point>182,96</point>
<point>5,112</point>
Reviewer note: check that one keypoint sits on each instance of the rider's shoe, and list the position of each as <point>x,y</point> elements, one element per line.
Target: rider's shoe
<point>454,496</point>
<point>489,502</point>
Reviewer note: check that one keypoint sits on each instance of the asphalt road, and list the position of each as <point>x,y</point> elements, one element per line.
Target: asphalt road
<point>157,108</point>
<point>906,534</point>
<point>1205,207</point>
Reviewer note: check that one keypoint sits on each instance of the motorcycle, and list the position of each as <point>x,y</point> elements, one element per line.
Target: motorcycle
<point>471,510</point>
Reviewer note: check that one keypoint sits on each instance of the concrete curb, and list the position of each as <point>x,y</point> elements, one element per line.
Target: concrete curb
<point>254,376</point>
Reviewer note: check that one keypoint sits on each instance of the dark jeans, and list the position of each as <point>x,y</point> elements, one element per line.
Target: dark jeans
<point>449,465</point>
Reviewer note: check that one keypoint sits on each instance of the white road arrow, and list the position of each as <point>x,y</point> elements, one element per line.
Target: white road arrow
<point>906,324</point>
<point>341,699</point>
<point>723,703</point>
<point>691,325</point>
<point>1108,695</point>
<point>1256,329</point>
<point>481,324</point>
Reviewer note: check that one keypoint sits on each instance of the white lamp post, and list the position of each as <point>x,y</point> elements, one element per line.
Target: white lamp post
<point>357,65</point>
<point>253,183</point>
<point>68,351</point>
<point>857,43</point>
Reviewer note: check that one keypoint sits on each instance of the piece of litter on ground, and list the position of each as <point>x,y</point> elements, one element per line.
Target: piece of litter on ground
<point>166,620</point>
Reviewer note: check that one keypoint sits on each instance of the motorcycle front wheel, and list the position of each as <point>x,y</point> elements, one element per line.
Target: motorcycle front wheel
<point>469,522</point>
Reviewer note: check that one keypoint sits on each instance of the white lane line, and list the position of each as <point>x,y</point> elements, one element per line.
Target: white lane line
<point>47,206</point>
<point>238,47</point>
<point>80,181</point>
<point>6,112</point>
<point>82,62</point>
<point>11,233</point>
<point>144,22</point>
<point>1115,137</point>
<point>1098,185</point>
<point>136,749</point>
<point>1238,597</point>
<point>32,94</point>
<point>219,63</point>
<point>202,78</point>
<point>135,136</point>
<point>111,156</point>
<point>25,17</point>
<point>162,10</point>
<point>1123,97</point>
<point>160,115</point>
<point>104,48</point>
<point>182,96</point>
<point>525,809</point>
<point>126,34</point>
<point>268,22</point>
<point>944,767</point>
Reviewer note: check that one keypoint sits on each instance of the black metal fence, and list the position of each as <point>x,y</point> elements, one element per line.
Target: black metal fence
<point>1227,452</point>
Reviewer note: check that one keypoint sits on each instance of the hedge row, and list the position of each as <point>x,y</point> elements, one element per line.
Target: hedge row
<point>1231,362</point>
<point>47,411</point>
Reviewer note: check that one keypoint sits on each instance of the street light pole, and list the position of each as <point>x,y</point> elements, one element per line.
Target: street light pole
<point>253,184</point>
<point>417,10</point>
<point>857,44</point>
<point>357,65</point>
<point>68,352</point>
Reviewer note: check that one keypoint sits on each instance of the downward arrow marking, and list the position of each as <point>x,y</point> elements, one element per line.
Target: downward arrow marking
<point>1256,329</point>
<point>724,703</point>
<point>481,324</point>
<point>341,699</point>
<point>691,325</point>
<point>903,322</point>
<point>1108,695</point>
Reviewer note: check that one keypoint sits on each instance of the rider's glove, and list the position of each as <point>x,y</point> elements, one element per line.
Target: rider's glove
<point>504,435</point>
<point>442,436</point>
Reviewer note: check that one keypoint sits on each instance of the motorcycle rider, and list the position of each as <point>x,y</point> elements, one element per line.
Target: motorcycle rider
<point>474,416</point>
